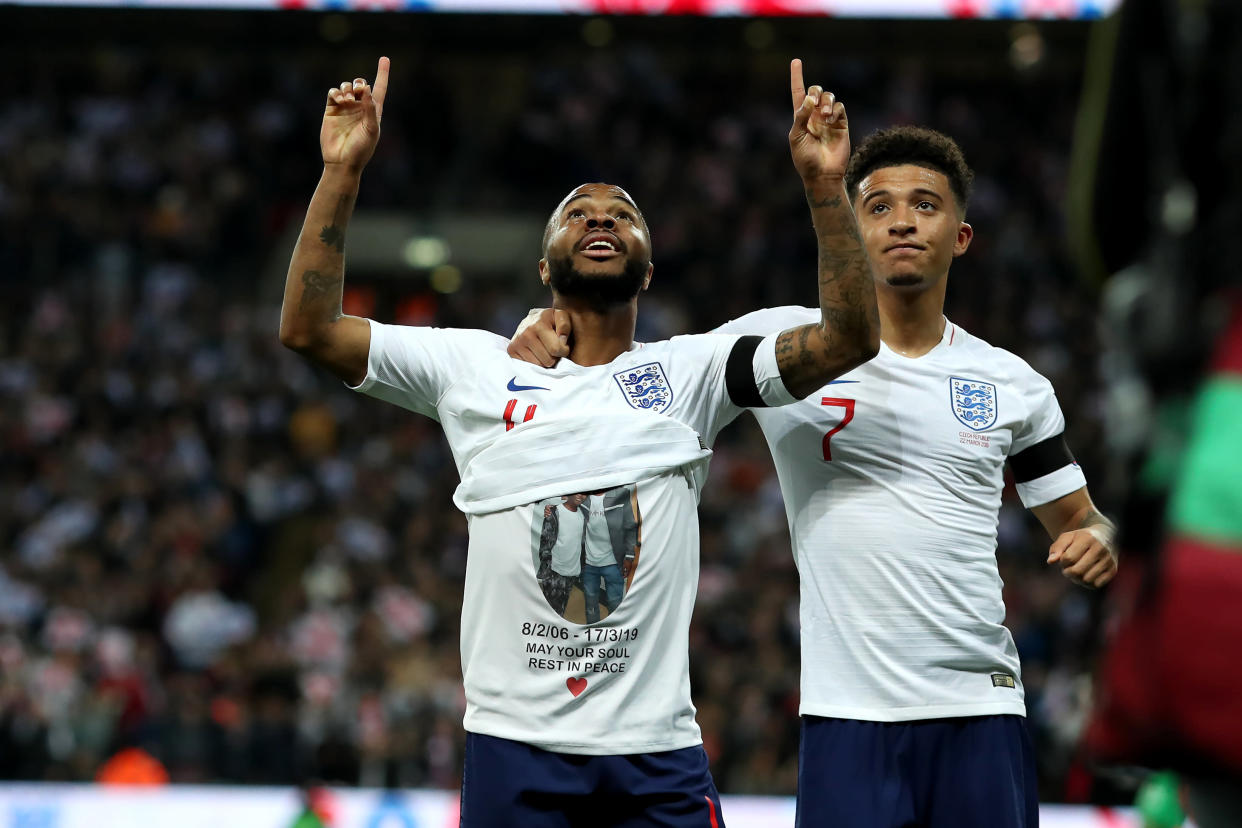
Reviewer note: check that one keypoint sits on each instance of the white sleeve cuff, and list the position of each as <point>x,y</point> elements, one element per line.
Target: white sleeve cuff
<point>1041,490</point>
<point>376,346</point>
<point>768,375</point>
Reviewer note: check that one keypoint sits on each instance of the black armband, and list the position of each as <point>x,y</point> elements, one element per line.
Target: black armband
<point>740,374</point>
<point>1043,458</point>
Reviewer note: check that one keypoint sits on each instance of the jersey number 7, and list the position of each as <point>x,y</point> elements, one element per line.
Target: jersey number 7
<point>848,405</point>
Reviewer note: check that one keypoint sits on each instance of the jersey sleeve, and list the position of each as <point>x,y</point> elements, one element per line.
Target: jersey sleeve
<point>414,367</point>
<point>734,373</point>
<point>1043,466</point>
<point>752,375</point>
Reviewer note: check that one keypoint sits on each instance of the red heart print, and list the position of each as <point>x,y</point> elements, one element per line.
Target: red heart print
<point>576,685</point>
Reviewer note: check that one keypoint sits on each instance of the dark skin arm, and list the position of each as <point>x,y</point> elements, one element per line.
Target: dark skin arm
<point>311,320</point>
<point>848,333</point>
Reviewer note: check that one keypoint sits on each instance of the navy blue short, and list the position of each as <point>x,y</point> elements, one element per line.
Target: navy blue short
<point>506,784</point>
<point>935,773</point>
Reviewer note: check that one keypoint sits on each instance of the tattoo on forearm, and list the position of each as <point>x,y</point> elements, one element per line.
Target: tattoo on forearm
<point>827,201</point>
<point>806,358</point>
<point>333,235</point>
<point>809,354</point>
<point>784,345</point>
<point>833,265</point>
<point>797,356</point>
<point>316,287</point>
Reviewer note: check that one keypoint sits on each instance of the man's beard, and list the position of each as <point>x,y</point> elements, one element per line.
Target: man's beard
<point>599,292</point>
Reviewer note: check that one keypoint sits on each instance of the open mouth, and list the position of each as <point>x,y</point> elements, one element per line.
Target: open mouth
<point>600,246</point>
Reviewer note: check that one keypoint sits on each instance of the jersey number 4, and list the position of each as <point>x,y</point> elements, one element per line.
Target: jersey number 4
<point>848,405</point>
<point>530,412</point>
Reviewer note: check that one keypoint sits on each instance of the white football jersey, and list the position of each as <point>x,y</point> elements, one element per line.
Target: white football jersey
<point>531,674</point>
<point>892,478</point>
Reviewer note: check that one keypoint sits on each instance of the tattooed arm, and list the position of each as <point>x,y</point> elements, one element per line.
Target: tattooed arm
<point>311,320</point>
<point>848,333</point>
<point>1082,538</point>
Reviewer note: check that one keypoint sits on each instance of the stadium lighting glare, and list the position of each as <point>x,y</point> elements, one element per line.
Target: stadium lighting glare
<point>425,252</point>
<point>446,279</point>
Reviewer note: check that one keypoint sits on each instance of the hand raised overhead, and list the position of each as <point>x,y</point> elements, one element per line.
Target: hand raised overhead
<point>819,138</point>
<point>351,120</point>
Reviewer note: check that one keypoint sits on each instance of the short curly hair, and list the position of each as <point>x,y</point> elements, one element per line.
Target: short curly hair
<point>911,145</point>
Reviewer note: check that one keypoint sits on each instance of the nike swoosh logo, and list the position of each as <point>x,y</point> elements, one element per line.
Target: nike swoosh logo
<point>513,386</point>
<point>838,382</point>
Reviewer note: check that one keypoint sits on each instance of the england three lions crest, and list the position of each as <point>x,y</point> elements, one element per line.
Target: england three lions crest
<point>645,387</point>
<point>974,402</point>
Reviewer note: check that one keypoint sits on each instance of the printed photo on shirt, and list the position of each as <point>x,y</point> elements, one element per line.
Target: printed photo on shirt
<point>588,551</point>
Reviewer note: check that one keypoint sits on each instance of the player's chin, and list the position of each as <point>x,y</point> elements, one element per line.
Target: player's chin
<point>611,266</point>
<point>905,281</point>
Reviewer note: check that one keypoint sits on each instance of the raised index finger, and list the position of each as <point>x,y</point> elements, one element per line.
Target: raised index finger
<point>380,89</point>
<point>796,87</point>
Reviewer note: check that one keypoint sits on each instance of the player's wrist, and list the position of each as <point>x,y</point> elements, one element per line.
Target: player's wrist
<point>343,172</point>
<point>821,186</point>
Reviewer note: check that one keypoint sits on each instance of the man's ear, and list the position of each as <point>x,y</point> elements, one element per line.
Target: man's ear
<point>964,234</point>
<point>647,280</point>
<point>543,271</point>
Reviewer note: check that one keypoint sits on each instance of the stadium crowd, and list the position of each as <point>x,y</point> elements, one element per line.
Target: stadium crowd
<point>209,551</point>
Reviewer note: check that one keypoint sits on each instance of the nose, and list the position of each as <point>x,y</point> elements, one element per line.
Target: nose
<point>601,220</point>
<point>901,223</point>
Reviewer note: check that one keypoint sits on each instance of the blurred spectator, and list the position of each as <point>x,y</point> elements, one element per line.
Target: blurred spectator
<point>1165,696</point>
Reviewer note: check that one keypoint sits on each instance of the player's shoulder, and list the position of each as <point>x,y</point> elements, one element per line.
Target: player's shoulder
<point>691,343</point>
<point>770,320</point>
<point>461,337</point>
<point>1005,364</point>
<point>684,349</point>
<point>473,336</point>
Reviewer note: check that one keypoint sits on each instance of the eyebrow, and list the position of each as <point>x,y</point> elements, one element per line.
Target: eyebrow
<point>915,191</point>
<point>620,198</point>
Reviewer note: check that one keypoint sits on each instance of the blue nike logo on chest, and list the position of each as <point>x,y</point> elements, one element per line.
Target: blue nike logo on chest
<point>513,386</point>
